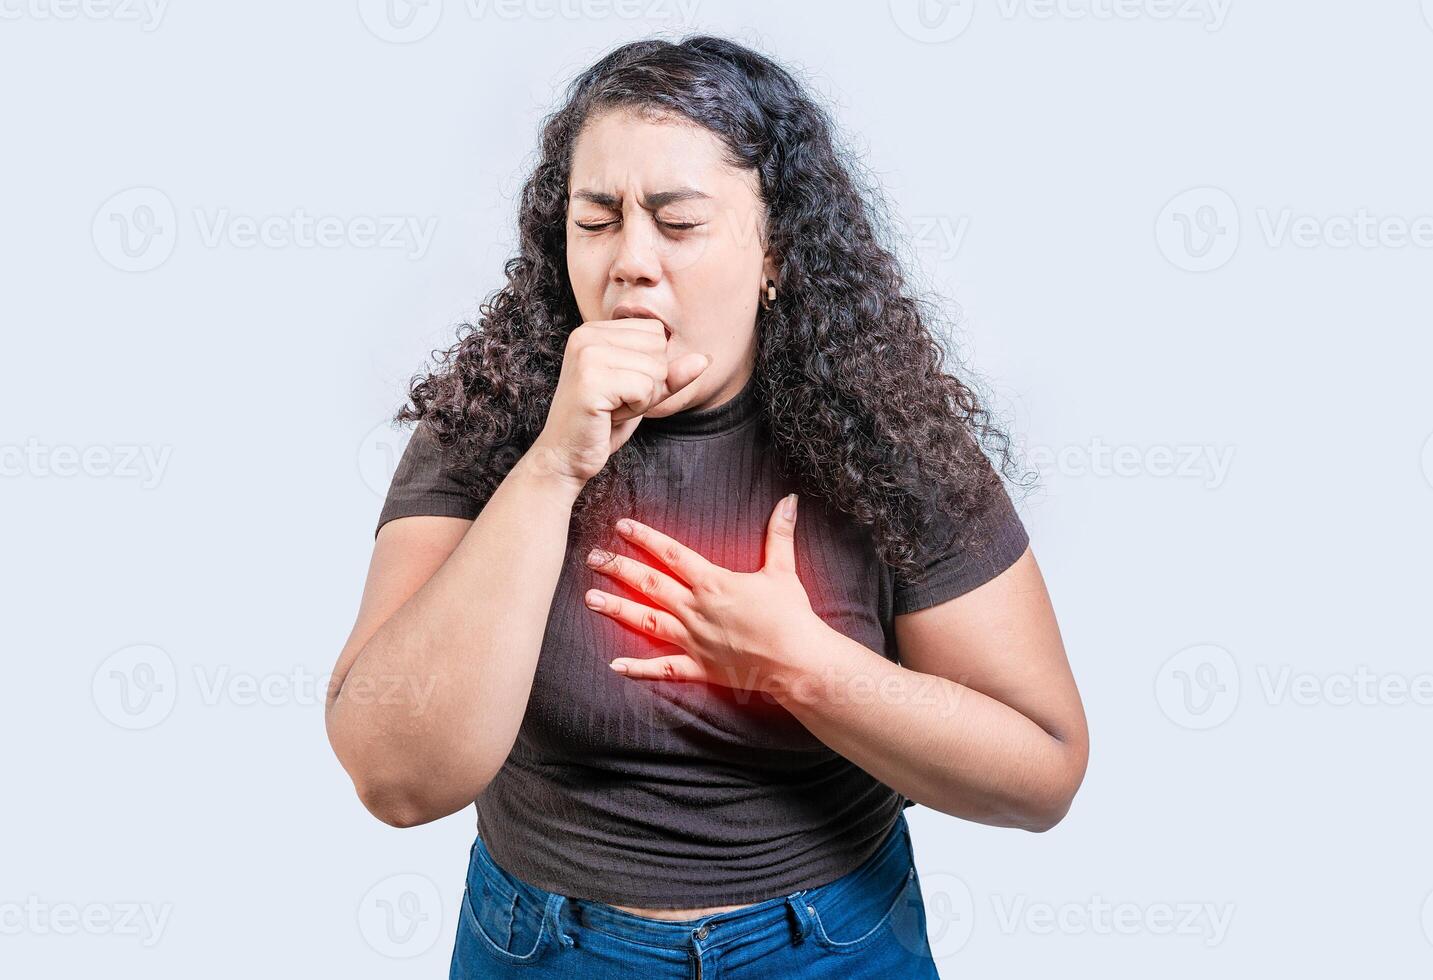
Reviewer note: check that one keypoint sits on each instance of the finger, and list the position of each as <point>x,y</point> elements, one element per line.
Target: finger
<point>653,622</point>
<point>675,389</point>
<point>685,563</point>
<point>646,338</point>
<point>627,358</point>
<point>680,375</point>
<point>781,535</point>
<point>661,589</point>
<point>632,392</point>
<point>678,667</point>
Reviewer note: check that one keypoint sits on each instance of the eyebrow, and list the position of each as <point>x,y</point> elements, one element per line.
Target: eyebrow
<point>650,202</point>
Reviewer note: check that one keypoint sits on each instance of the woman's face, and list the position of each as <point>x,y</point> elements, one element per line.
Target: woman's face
<point>635,185</point>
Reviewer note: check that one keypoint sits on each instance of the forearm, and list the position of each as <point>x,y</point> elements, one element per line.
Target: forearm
<point>431,705</point>
<point>938,742</point>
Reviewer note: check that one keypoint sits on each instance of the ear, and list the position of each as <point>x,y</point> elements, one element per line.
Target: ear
<point>769,270</point>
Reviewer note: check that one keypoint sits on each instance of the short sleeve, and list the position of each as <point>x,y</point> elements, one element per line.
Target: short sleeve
<point>424,484</point>
<point>996,539</point>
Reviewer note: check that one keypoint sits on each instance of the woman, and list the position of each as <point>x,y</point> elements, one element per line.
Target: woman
<point>701,327</point>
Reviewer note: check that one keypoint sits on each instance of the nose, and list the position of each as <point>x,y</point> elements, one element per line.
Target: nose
<point>638,260</point>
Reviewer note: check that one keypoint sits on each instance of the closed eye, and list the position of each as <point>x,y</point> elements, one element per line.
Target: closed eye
<point>665,224</point>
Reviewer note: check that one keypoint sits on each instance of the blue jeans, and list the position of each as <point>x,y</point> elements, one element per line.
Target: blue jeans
<point>870,922</point>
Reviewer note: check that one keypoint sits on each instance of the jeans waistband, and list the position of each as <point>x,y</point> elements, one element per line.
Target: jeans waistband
<point>706,931</point>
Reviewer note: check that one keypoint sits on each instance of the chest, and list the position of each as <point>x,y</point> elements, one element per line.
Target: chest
<point>717,501</point>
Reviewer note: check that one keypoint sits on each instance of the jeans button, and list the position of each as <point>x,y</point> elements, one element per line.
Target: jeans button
<point>702,932</point>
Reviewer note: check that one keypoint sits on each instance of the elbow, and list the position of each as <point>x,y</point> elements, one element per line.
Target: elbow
<point>400,805</point>
<point>1046,811</point>
<point>386,788</point>
<point>392,795</point>
<point>385,792</point>
<point>395,808</point>
<point>1038,821</point>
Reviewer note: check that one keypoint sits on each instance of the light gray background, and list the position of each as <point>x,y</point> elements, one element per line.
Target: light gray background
<point>1148,215</point>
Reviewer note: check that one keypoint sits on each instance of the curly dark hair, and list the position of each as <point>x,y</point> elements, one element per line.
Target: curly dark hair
<point>848,374</point>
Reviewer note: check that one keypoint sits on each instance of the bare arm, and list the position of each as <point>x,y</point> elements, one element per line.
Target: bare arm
<point>430,689</point>
<point>981,719</point>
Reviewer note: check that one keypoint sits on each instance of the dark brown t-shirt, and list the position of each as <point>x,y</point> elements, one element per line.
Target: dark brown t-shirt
<point>665,794</point>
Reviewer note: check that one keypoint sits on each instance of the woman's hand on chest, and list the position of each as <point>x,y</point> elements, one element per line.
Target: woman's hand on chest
<point>739,629</point>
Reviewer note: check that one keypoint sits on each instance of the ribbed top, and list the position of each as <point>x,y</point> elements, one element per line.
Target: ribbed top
<point>673,794</point>
<point>701,423</point>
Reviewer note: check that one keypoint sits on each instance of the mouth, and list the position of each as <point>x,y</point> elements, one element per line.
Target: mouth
<point>626,311</point>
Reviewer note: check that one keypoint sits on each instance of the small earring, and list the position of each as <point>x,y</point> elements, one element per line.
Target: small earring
<point>770,295</point>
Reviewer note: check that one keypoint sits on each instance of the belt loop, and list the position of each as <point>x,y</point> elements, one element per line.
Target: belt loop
<point>797,903</point>
<point>552,916</point>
